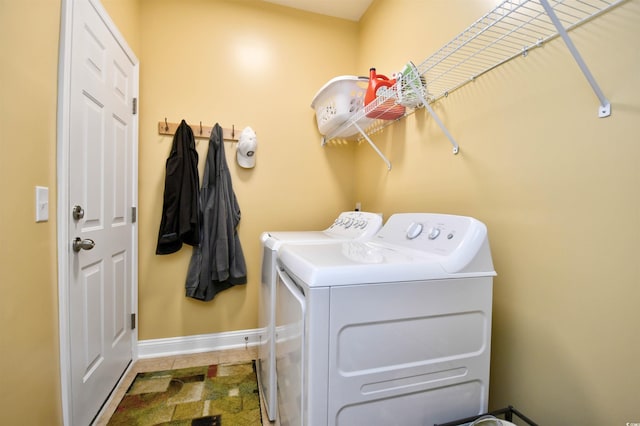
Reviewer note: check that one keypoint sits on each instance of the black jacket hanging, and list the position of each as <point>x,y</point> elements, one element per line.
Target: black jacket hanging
<point>180,216</point>
<point>218,263</point>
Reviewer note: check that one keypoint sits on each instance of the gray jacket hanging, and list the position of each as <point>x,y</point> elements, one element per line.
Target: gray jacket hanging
<point>218,263</point>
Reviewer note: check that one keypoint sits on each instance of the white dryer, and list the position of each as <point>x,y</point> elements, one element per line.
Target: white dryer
<point>395,330</point>
<point>348,226</point>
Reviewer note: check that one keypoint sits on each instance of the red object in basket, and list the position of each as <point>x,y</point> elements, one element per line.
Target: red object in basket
<point>387,110</point>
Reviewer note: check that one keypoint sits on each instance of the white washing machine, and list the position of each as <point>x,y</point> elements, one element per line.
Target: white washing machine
<point>394,330</point>
<point>351,225</point>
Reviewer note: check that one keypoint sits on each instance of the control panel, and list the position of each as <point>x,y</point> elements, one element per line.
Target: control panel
<point>429,232</point>
<point>355,224</point>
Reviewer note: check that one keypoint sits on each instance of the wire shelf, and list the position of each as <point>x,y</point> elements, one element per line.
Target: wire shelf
<point>510,30</point>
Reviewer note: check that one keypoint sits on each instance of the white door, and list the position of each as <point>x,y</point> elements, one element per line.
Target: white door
<point>102,180</point>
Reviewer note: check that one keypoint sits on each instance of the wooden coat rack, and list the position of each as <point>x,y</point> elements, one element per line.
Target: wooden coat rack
<point>199,131</point>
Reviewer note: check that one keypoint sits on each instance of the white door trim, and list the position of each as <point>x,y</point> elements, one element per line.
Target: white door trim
<point>63,208</point>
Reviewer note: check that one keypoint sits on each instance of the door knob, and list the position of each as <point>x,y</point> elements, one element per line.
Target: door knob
<point>78,212</point>
<point>80,244</point>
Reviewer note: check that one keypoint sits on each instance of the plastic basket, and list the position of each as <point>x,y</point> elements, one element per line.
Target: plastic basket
<point>337,101</point>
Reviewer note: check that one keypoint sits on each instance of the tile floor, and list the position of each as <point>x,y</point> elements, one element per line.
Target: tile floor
<point>181,361</point>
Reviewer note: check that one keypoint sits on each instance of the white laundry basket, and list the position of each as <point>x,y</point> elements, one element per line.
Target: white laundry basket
<point>339,100</point>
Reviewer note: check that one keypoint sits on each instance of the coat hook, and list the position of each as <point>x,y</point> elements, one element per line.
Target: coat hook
<point>233,131</point>
<point>166,125</point>
<point>201,127</point>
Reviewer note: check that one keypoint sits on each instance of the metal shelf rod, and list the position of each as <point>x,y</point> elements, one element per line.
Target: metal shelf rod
<point>375,148</point>
<point>605,106</point>
<point>418,92</point>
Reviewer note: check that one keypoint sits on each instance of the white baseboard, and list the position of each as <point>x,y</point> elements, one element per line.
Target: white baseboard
<point>183,345</point>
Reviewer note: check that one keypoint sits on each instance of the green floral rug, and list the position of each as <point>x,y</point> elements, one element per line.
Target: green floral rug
<point>211,395</point>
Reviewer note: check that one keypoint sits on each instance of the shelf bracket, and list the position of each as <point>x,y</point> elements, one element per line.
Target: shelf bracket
<point>375,148</point>
<point>433,114</point>
<point>456,148</point>
<point>604,109</point>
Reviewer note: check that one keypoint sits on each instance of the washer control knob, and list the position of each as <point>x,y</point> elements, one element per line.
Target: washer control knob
<point>414,230</point>
<point>433,233</point>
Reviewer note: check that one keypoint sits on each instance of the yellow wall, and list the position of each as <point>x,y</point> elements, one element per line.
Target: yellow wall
<point>29,359</point>
<point>240,64</point>
<point>557,187</point>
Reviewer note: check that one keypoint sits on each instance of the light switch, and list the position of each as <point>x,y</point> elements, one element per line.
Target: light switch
<point>42,204</point>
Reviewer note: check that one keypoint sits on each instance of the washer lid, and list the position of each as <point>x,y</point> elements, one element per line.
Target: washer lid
<point>274,240</point>
<point>349,225</point>
<point>354,262</point>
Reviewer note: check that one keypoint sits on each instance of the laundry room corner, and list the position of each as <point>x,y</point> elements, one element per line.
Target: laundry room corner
<point>238,64</point>
<point>554,183</point>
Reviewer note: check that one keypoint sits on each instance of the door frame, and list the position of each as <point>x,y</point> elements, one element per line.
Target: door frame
<point>63,179</point>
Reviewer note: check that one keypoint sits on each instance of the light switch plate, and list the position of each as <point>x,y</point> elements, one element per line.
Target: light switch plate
<point>42,204</point>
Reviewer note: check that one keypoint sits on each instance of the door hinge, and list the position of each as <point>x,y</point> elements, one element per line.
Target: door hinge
<point>134,214</point>
<point>133,321</point>
<point>135,106</point>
